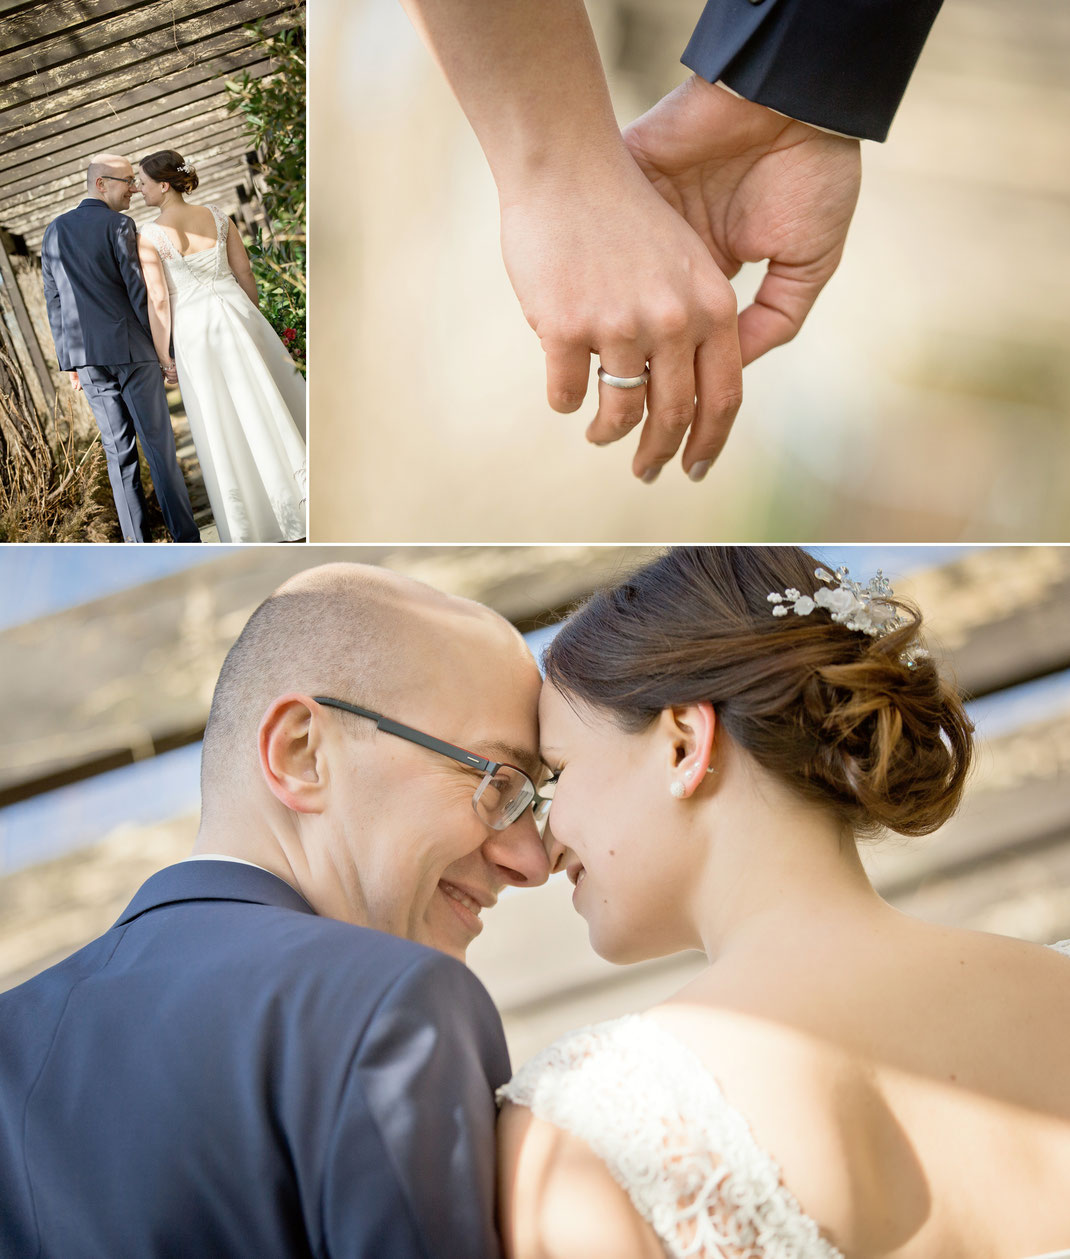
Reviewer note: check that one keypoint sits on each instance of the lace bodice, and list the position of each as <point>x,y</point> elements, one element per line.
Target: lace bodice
<point>197,270</point>
<point>652,1112</point>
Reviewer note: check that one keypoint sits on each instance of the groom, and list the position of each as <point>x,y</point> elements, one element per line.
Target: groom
<point>98,312</point>
<point>276,1051</point>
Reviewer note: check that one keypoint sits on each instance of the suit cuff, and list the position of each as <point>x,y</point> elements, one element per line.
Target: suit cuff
<point>843,67</point>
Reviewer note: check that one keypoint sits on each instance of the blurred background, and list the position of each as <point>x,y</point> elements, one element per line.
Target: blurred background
<point>926,398</point>
<point>107,665</point>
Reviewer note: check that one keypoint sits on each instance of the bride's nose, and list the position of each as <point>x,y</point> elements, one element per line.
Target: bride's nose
<point>556,852</point>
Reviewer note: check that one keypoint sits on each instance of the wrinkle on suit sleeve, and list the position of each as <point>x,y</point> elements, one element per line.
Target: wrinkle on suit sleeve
<point>844,66</point>
<point>125,244</point>
<point>423,1083</point>
<point>53,304</point>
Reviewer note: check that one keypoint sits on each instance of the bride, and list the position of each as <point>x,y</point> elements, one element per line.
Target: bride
<point>244,398</point>
<point>842,1079</point>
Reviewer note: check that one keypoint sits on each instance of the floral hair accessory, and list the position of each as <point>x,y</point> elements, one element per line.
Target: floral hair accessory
<point>862,608</point>
<point>186,168</point>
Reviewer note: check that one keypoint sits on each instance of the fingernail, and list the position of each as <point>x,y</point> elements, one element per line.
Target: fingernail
<point>650,476</point>
<point>699,470</point>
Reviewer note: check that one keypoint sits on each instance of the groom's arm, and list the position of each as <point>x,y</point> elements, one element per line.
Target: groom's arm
<point>410,1168</point>
<point>124,246</point>
<point>843,66</point>
<point>52,299</point>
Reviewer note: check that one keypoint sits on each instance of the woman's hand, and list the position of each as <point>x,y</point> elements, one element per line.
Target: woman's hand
<point>601,265</point>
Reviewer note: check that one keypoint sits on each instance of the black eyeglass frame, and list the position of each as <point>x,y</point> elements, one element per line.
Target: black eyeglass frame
<point>131,181</point>
<point>481,764</point>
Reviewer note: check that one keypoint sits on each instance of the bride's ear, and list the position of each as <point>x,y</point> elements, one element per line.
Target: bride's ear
<point>690,730</point>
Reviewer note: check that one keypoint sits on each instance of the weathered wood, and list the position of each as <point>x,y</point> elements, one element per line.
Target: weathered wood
<point>122,131</point>
<point>110,84</point>
<point>30,349</point>
<point>123,26</point>
<point>155,94</point>
<point>1003,613</point>
<point>34,22</point>
<point>85,668</point>
<point>42,207</point>
<point>215,129</point>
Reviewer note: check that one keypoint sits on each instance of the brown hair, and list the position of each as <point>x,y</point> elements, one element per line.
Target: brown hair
<point>842,717</point>
<point>163,167</point>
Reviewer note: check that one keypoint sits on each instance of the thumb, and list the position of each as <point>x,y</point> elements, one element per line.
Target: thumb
<point>779,309</point>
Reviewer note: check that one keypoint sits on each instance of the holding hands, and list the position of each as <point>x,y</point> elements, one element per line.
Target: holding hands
<point>623,247</point>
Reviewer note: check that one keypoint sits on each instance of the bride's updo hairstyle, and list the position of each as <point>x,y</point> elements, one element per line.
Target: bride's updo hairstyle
<point>164,168</point>
<point>843,718</point>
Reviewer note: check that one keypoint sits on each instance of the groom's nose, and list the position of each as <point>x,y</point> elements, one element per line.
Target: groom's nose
<point>518,852</point>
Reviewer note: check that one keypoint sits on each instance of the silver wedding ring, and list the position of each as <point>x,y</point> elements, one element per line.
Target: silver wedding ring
<point>623,382</point>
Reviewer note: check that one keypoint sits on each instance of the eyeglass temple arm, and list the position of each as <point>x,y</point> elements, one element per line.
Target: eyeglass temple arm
<point>414,736</point>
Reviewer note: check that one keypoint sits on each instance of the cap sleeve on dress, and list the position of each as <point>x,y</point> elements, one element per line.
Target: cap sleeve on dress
<point>655,1116</point>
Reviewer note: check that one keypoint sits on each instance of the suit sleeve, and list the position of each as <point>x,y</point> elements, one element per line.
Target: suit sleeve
<point>411,1168</point>
<point>125,245</point>
<point>52,300</point>
<point>844,66</point>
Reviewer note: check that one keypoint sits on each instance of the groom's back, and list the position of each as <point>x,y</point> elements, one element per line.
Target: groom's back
<point>90,255</point>
<point>228,1077</point>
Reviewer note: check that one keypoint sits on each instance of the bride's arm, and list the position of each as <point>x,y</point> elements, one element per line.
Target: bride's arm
<point>238,261</point>
<point>557,1199</point>
<point>159,301</point>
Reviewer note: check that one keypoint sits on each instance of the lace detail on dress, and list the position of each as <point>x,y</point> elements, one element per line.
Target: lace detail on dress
<point>1061,946</point>
<point>199,269</point>
<point>653,1113</point>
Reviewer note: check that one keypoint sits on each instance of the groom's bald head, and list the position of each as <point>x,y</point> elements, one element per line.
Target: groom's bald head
<point>355,632</point>
<point>104,178</point>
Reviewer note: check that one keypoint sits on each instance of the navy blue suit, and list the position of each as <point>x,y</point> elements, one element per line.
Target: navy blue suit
<point>840,64</point>
<point>98,313</point>
<point>225,1073</point>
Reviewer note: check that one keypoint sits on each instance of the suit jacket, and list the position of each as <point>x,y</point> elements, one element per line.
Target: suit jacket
<point>224,1073</point>
<point>97,306</point>
<point>840,64</point>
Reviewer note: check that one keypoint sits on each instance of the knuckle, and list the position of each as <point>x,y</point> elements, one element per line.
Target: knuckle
<point>672,321</point>
<point>675,419</point>
<point>619,327</point>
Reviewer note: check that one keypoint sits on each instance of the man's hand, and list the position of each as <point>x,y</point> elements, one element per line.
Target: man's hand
<point>753,185</point>
<point>170,372</point>
<point>76,384</point>
<point>601,265</point>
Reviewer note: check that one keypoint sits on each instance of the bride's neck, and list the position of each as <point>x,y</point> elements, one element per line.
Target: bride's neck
<point>776,872</point>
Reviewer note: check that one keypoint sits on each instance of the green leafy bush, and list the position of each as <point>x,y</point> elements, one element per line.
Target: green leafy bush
<point>273,110</point>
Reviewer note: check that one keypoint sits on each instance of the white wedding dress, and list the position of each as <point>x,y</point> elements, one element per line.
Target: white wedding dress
<point>652,1112</point>
<point>244,398</point>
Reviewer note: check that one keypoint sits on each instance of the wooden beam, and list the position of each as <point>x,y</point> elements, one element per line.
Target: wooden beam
<point>212,131</point>
<point>30,102</point>
<point>45,394</point>
<point>121,28</point>
<point>75,143</point>
<point>156,95</point>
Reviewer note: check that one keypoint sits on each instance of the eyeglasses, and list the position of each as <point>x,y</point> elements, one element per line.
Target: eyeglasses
<point>129,180</point>
<point>502,796</point>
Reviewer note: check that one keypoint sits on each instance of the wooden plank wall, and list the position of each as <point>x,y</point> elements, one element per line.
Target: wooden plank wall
<point>132,76</point>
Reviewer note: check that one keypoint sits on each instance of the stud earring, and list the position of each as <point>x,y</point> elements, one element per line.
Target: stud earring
<point>689,774</point>
<point>677,789</point>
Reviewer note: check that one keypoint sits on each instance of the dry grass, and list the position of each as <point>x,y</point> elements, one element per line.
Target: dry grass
<point>50,490</point>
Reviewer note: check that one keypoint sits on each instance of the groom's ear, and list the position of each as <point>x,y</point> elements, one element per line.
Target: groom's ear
<point>292,757</point>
